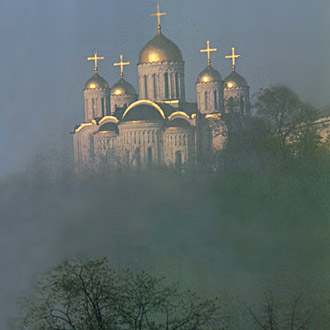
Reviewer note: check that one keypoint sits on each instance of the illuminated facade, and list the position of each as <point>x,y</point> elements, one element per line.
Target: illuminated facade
<point>158,127</point>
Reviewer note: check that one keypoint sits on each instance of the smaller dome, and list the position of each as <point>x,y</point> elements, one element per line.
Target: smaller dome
<point>96,82</point>
<point>160,49</point>
<point>209,74</point>
<point>235,80</point>
<point>122,87</point>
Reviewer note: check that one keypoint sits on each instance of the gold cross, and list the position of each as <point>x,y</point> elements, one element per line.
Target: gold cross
<point>158,14</point>
<point>95,59</point>
<point>233,57</point>
<point>208,51</point>
<point>121,64</point>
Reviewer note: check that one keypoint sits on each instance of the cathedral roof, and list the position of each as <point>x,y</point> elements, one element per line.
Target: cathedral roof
<point>96,82</point>
<point>123,87</point>
<point>160,49</point>
<point>109,127</point>
<point>209,74</point>
<point>235,80</point>
<point>143,112</point>
<point>178,122</point>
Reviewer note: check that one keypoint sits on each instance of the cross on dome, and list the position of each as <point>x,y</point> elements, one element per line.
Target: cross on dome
<point>95,59</point>
<point>208,50</point>
<point>158,14</point>
<point>233,57</point>
<point>121,64</point>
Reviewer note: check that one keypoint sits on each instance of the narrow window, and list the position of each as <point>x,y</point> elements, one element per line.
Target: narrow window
<point>102,102</point>
<point>149,156</point>
<point>215,100</point>
<point>93,107</point>
<point>166,85</point>
<point>178,160</point>
<point>137,159</point>
<point>177,86</point>
<point>155,86</point>
<point>108,106</point>
<point>172,85</point>
<point>146,87</point>
<point>206,100</point>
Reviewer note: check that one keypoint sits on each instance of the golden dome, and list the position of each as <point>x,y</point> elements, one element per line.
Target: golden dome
<point>123,87</point>
<point>96,82</point>
<point>235,80</point>
<point>209,74</point>
<point>160,49</point>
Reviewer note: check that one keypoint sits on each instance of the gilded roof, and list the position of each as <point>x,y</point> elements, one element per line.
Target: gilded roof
<point>235,80</point>
<point>209,74</point>
<point>160,49</point>
<point>96,82</point>
<point>123,87</point>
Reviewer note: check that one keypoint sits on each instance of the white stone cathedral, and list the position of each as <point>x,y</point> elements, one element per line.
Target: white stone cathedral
<point>157,127</point>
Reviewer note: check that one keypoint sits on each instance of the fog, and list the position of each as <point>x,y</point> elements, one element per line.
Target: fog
<point>222,232</point>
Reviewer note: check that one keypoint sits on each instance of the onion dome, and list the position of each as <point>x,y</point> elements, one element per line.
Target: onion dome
<point>96,82</point>
<point>208,75</point>
<point>235,80</point>
<point>122,87</point>
<point>160,49</point>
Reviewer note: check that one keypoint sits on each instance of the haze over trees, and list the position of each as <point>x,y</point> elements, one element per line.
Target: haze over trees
<point>259,213</point>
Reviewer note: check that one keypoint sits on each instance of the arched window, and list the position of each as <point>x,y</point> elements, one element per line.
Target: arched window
<point>108,106</point>
<point>178,160</point>
<point>146,87</point>
<point>155,85</point>
<point>177,85</point>
<point>102,103</point>
<point>206,100</point>
<point>137,158</point>
<point>149,157</point>
<point>215,100</point>
<point>166,85</point>
<point>94,107</point>
<point>172,85</point>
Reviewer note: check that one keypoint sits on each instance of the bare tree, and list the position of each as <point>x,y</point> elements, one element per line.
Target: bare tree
<point>273,314</point>
<point>89,295</point>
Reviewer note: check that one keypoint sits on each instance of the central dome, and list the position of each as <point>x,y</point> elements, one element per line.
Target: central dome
<point>160,49</point>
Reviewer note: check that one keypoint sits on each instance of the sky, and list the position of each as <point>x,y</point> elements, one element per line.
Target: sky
<point>45,45</point>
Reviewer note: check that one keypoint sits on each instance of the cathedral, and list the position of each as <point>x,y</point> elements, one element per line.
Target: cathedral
<point>157,127</point>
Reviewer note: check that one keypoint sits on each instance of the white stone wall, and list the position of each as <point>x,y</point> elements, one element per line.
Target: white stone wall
<point>97,103</point>
<point>121,101</point>
<point>179,139</point>
<point>240,98</point>
<point>139,137</point>
<point>211,106</point>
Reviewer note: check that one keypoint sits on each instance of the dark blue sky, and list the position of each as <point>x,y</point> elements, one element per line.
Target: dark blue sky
<point>45,45</point>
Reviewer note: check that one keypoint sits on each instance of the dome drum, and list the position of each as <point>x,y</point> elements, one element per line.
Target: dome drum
<point>162,81</point>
